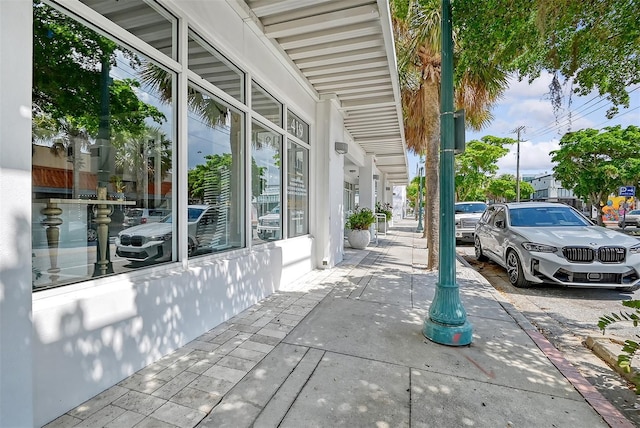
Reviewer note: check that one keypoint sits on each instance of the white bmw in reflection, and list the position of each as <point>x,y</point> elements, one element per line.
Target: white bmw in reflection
<point>554,243</point>
<point>152,241</point>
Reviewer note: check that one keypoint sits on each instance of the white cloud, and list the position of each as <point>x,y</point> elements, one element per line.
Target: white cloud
<point>535,158</point>
<point>518,89</point>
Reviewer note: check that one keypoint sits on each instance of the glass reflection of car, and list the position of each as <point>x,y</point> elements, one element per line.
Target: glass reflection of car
<point>467,215</point>
<point>152,241</point>
<point>554,243</point>
<point>630,219</point>
<point>136,216</point>
<point>269,225</point>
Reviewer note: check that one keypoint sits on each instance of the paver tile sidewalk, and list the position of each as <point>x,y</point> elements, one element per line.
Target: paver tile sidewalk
<point>346,349</point>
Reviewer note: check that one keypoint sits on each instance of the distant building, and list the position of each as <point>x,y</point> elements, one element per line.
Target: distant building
<point>548,189</point>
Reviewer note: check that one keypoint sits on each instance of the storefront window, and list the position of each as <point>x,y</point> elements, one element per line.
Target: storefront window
<point>297,127</point>
<point>297,190</point>
<point>213,67</point>
<point>263,103</point>
<point>144,19</point>
<point>102,154</point>
<point>266,183</point>
<point>216,175</point>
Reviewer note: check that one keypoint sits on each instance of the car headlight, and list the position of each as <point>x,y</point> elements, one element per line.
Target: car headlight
<point>165,237</point>
<point>635,249</point>
<point>540,248</point>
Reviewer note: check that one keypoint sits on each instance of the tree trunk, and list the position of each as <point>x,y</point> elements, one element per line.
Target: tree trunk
<point>430,93</point>
<point>432,205</point>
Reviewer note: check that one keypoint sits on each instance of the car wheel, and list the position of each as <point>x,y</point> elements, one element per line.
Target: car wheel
<point>514,271</point>
<point>478,249</point>
<point>92,235</point>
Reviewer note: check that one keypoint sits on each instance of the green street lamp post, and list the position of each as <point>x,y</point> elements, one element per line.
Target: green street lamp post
<point>420,228</point>
<point>447,320</point>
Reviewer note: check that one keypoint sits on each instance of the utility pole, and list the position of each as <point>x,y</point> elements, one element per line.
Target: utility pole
<point>447,322</point>
<point>517,131</point>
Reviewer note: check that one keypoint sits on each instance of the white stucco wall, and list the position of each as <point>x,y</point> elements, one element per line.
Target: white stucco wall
<point>16,398</point>
<point>91,335</point>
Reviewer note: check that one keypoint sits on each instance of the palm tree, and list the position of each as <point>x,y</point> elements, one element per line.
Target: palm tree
<point>417,33</point>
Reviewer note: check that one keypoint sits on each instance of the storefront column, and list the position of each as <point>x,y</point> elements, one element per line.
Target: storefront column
<point>16,385</point>
<point>367,191</point>
<point>366,184</point>
<point>328,185</point>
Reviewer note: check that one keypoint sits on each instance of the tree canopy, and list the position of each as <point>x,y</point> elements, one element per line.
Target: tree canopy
<point>504,188</point>
<point>67,78</point>
<point>593,44</point>
<point>477,165</point>
<point>595,163</point>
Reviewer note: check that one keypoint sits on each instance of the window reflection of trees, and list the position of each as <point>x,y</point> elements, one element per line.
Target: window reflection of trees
<point>85,111</point>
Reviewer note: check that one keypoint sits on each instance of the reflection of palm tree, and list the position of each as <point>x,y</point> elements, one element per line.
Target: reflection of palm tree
<point>213,114</point>
<point>418,34</point>
<point>138,153</point>
<point>65,139</point>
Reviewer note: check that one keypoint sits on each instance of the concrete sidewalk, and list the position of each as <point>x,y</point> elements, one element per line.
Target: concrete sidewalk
<point>346,349</point>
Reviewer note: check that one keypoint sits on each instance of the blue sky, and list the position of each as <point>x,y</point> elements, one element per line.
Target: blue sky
<point>528,105</point>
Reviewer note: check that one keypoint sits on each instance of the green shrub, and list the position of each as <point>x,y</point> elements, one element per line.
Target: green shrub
<point>361,219</point>
<point>630,347</point>
<point>384,209</point>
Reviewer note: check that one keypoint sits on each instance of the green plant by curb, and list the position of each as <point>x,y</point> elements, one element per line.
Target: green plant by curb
<point>630,347</point>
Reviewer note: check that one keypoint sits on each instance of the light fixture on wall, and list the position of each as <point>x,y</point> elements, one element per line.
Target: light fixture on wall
<point>341,148</point>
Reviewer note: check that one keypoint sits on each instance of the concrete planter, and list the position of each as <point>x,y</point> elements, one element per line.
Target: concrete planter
<point>359,239</point>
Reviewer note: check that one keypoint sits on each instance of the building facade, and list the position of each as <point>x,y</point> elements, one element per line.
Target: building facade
<point>548,189</point>
<point>166,164</point>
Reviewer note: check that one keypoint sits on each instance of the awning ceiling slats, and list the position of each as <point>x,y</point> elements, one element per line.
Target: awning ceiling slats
<point>344,48</point>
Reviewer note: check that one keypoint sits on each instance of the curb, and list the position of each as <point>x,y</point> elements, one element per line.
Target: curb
<point>610,414</point>
<point>604,347</point>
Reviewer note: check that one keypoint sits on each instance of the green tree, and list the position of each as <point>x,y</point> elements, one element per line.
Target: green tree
<point>413,193</point>
<point>417,33</point>
<point>68,60</point>
<point>477,165</point>
<point>200,177</point>
<point>592,44</point>
<point>596,163</point>
<point>504,189</point>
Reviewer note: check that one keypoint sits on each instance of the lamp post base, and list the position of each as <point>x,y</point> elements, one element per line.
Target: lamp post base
<point>445,334</point>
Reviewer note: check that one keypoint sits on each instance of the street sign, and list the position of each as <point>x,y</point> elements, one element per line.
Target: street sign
<point>627,190</point>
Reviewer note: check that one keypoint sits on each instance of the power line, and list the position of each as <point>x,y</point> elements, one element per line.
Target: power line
<point>566,118</point>
<point>517,131</point>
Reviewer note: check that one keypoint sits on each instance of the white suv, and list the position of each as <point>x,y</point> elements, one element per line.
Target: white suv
<point>152,241</point>
<point>467,215</point>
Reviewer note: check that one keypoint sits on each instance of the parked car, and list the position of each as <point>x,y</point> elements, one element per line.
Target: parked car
<point>632,218</point>
<point>136,216</point>
<point>540,242</point>
<point>467,215</point>
<point>152,241</point>
<point>269,225</point>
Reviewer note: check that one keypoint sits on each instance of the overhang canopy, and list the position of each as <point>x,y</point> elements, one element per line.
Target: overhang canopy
<point>344,48</point>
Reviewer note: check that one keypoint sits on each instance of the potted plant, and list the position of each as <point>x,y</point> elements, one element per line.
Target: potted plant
<point>386,210</point>
<point>358,224</point>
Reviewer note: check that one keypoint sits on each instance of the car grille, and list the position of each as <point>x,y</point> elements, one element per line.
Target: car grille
<point>569,278</point>
<point>133,240</point>
<point>588,254</point>
<point>611,254</point>
<point>468,222</point>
